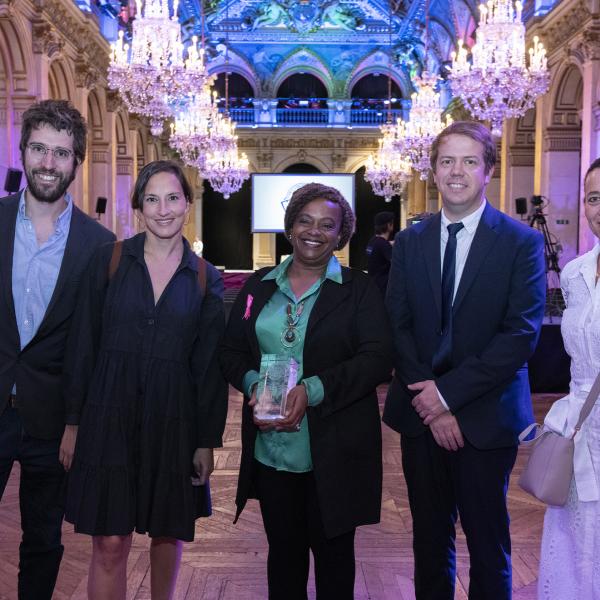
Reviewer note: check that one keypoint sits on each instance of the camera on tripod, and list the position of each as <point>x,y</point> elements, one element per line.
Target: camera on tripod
<point>554,300</point>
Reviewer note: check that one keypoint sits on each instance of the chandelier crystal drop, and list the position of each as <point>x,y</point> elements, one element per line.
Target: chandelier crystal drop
<point>387,170</point>
<point>227,170</point>
<point>152,75</point>
<point>413,138</point>
<point>498,84</point>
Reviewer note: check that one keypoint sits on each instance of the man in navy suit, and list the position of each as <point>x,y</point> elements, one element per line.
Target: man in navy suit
<point>45,245</point>
<point>466,300</point>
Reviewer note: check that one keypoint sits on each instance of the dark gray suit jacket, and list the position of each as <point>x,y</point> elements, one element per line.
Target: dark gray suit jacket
<point>37,368</point>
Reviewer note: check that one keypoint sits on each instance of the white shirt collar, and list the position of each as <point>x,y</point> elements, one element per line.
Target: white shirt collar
<point>470,221</point>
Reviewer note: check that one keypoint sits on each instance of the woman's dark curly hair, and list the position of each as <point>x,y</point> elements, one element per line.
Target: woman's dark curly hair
<point>316,191</point>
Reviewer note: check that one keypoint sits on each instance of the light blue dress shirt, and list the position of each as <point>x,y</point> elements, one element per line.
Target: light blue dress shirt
<point>35,269</point>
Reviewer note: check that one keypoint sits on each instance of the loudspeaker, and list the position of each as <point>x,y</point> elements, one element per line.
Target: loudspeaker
<point>12,183</point>
<point>100,205</point>
<point>521,206</point>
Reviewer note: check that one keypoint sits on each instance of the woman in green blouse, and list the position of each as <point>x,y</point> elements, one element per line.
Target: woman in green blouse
<point>316,470</point>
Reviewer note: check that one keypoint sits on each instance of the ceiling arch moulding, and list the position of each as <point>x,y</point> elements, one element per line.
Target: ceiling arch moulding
<point>301,60</point>
<point>235,63</point>
<point>377,62</point>
<point>17,56</point>
<point>311,21</point>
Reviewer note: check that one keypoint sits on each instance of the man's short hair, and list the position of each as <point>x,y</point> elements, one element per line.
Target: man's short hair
<point>595,165</point>
<point>382,220</point>
<point>59,114</point>
<point>471,129</point>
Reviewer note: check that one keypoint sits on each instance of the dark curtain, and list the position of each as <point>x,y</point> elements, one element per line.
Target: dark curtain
<point>226,227</point>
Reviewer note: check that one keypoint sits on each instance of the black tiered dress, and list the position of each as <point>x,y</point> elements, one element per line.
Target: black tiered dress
<point>142,381</point>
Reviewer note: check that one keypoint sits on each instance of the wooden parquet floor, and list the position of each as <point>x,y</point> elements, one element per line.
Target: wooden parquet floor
<point>228,562</point>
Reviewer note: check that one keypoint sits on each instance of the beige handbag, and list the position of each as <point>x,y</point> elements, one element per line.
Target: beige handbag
<point>549,470</point>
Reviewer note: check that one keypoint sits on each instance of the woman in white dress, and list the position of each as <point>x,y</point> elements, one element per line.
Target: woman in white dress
<point>570,556</point>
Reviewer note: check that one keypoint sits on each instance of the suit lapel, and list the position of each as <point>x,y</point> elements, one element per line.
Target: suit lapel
<point>430,246</point>
<point>485,238</point>
<point>331,295</point>
<point>75,241</point>
<point>8,217</point>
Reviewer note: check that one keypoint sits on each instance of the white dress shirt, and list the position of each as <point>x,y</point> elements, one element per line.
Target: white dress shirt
<point>464,239</point>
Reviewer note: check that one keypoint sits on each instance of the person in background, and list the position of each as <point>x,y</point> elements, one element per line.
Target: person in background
<point>570,555</point>
<point>45,245</point>
<point>144,386</point>
<point>466,299</point>
<point>379,250</point>
<point>316,472</point>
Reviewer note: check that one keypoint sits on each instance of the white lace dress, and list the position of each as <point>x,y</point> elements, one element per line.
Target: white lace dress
<point>570,556</point>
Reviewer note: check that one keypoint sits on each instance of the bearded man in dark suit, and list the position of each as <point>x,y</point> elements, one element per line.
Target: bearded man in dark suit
<point>45,245</point>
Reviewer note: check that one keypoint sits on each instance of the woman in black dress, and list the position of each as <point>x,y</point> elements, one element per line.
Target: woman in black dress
<point>145,389</point>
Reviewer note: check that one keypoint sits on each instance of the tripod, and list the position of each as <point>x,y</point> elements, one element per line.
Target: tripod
<point>555,303</point>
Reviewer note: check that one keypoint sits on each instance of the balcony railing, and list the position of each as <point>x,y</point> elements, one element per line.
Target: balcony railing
<point>269,112</point>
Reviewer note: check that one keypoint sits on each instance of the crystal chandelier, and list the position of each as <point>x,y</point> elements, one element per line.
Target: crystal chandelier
<point>153,74</point>
<point>387,170</point>
<point>499,85</point>
<point>198,128</point>
<point>413,138</point>
<point>227,170</point>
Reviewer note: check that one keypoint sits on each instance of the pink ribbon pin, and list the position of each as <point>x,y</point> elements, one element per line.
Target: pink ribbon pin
<point>249,300</point>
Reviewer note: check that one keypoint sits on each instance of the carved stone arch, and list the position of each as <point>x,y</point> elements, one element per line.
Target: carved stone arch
<point>16,56</point>
<point>566,98</point>
<point>521,131</point>
<point>377,62</point>
<point>236,64</point>
<point>61,84</point>
<point>95,118</point>
<point>140,150</point>
<point>122,134</point>
<point>359,163</point>
<point>304,158</point>
<point>306,61</point>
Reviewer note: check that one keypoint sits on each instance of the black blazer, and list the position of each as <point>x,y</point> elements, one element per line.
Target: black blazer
<point>497,317</point>
<point>37,369</point>
<point>348,345</point>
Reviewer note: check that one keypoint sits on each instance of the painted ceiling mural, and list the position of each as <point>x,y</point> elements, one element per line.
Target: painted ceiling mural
<point>338,41</point>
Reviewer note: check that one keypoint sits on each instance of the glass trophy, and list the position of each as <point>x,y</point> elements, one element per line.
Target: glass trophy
<point>278,375</point>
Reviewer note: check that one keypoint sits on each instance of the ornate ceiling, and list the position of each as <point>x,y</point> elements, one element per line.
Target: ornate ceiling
<point>338,41</point>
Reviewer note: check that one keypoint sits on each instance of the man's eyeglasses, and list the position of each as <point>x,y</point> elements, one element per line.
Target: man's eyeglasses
<point>39,151</point>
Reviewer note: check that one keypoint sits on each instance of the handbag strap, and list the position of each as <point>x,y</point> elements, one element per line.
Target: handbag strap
<point>586,409</point>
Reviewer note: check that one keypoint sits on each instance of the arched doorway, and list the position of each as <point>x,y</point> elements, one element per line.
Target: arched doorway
<point>370,99</point>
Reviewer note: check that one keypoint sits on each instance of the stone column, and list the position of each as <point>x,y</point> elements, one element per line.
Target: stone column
<point>590,126</point>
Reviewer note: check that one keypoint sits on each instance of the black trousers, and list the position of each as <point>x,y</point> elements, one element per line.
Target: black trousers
<point>292,520</point>
<point>41,502</point>
<point>471,483</point>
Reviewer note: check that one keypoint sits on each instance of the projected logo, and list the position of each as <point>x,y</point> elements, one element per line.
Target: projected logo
<point>289,194</point>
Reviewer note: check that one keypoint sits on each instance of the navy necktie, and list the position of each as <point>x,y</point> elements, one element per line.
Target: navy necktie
<point>442,357</point>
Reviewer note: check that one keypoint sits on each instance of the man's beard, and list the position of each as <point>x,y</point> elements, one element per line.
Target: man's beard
<point>52,193</point>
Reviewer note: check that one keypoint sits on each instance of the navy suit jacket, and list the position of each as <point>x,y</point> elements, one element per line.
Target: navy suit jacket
<point>37,368</point>
<point>497,317</point>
